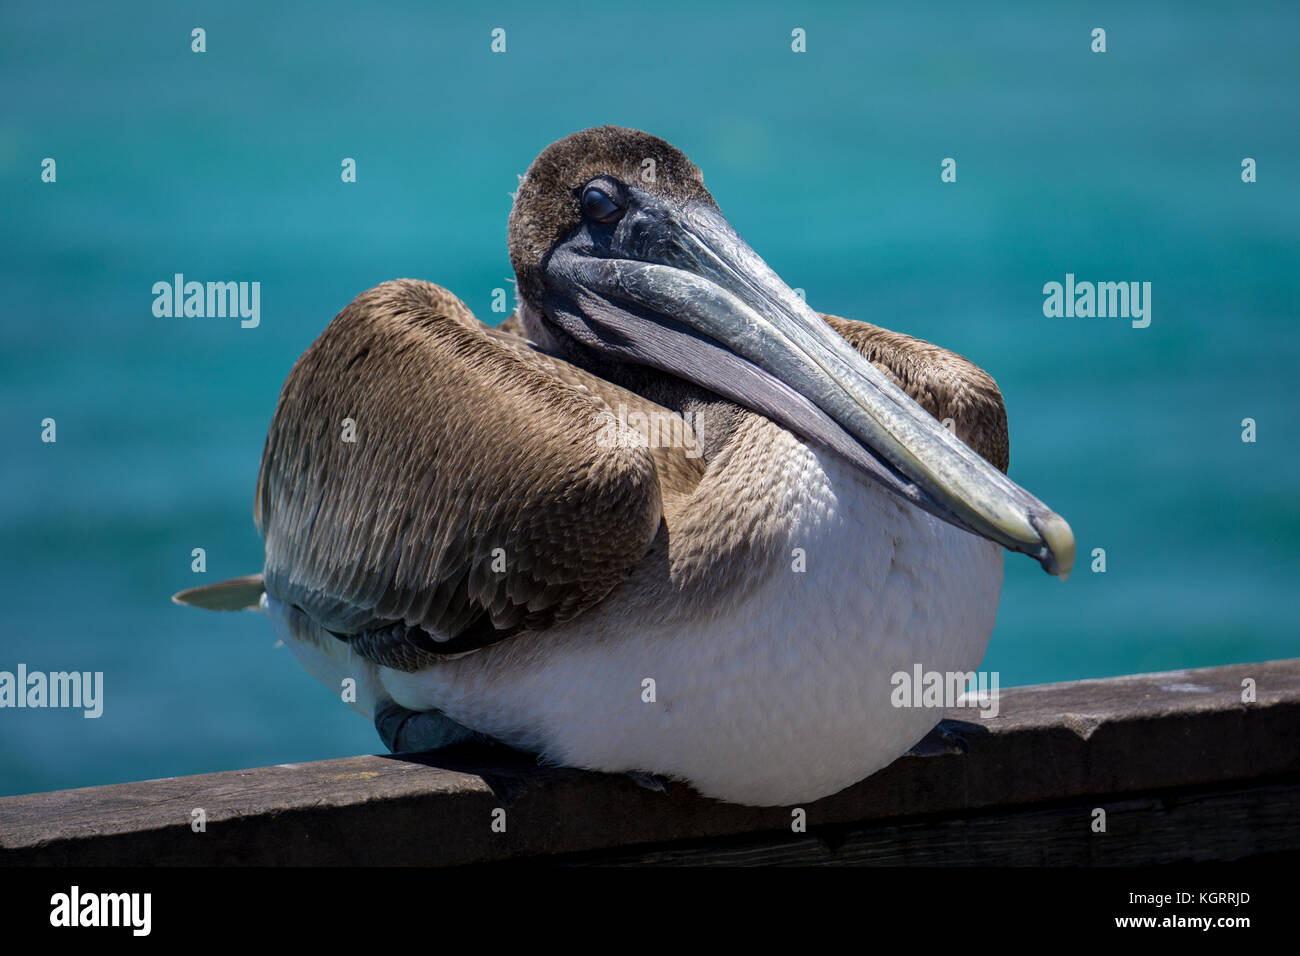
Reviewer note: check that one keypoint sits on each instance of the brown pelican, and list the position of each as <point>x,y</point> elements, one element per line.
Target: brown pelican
<point>488,556</point>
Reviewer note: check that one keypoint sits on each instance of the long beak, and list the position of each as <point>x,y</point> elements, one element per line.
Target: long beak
<point>693,299</point>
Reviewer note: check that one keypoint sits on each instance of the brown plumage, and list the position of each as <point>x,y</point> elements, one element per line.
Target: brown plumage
<point>460,432</point>
<point>467,441</point>
<point>947,385</point>
<point>665,471</point>
<point>546,207</point>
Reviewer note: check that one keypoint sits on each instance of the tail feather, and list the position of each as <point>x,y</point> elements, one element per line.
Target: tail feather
<point>233,595</point>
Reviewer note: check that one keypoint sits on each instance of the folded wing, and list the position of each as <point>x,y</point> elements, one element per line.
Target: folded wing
<point>947,385</point>
<point>430,486</point>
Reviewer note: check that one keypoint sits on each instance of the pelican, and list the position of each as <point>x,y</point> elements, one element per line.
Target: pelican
<point>477,528</point>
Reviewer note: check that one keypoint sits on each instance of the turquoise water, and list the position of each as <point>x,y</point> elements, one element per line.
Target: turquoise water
<point>225,166</point>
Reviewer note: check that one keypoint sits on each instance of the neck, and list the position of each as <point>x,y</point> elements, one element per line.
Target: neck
<point>714,418</point>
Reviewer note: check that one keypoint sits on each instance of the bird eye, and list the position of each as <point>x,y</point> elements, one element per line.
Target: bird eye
<point>598,205</point>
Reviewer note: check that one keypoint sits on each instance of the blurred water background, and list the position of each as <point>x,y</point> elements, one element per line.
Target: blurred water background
<point>225,166</point>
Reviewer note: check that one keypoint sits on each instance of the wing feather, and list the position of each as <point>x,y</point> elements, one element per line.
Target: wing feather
<point>945,384</point>
<point>475,499</point>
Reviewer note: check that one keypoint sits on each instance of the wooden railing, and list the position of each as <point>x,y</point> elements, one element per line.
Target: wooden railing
<point>1153,768</point>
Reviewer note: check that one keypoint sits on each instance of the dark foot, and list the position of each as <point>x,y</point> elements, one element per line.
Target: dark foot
<point>407,731</point>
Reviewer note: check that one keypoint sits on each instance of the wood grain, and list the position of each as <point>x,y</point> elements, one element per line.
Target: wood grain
<point>1184,768</point>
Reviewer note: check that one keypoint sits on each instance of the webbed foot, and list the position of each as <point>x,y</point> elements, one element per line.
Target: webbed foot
<point>406,731</point>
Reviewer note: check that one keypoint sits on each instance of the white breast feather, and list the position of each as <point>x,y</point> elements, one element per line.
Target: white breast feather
<point>782,699</point>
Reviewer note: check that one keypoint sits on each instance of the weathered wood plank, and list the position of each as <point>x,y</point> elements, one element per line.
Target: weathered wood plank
<point>1050,744</point>
<point>1183,827</point>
